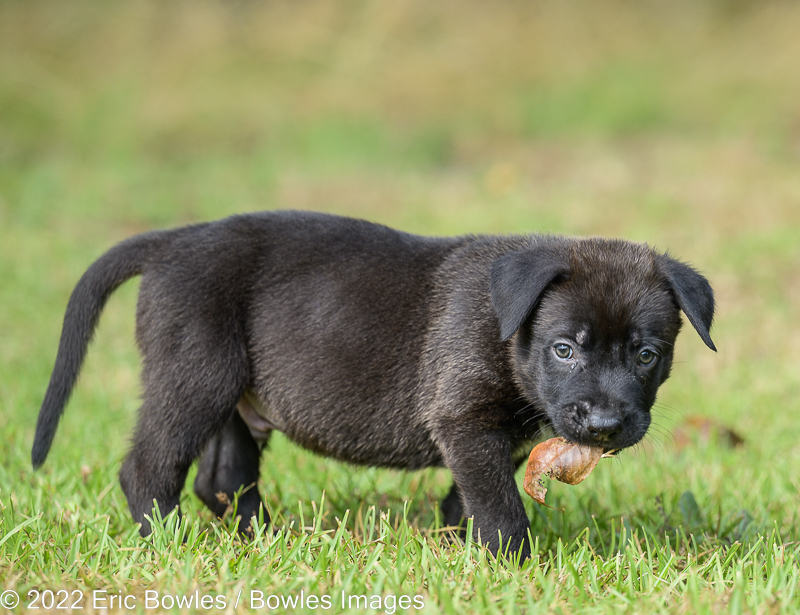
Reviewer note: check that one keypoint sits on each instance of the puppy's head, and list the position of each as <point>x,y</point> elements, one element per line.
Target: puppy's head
<point>593,324</point>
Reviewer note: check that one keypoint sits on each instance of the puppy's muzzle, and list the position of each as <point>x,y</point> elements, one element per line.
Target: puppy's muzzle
<point>605,425</point>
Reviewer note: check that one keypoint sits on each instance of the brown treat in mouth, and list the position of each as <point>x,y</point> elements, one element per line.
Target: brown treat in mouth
<point>561,459</point>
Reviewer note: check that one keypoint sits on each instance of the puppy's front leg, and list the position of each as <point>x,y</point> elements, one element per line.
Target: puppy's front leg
<point>483,472</point>
<point>452,508</point>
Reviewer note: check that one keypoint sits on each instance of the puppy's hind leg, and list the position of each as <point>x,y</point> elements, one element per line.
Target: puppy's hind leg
<point>185,403</point>
<point>230,464</point>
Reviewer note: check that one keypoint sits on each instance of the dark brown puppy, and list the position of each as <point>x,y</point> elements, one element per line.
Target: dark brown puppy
<point>382,348</point>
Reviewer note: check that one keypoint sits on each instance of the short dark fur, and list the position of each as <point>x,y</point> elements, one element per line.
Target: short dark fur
<point>379,347</point>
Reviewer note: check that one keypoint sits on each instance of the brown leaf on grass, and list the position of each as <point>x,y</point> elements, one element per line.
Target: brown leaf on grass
<point>704,429</point>
<point>560,459</point>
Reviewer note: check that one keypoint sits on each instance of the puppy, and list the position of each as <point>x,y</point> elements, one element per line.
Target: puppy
<point>378,347</point>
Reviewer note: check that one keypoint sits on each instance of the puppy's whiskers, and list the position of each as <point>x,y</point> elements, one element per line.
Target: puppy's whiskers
<point>662,406</point>
<point>656,436</point>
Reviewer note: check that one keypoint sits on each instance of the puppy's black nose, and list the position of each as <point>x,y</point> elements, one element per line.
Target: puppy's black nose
<point>602,428</point>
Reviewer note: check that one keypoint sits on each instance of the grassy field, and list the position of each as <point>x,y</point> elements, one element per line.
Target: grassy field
<point>674,123</point>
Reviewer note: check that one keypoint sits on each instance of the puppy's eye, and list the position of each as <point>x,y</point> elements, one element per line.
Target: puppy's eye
<point>563,351</point>
<point>647,357</point>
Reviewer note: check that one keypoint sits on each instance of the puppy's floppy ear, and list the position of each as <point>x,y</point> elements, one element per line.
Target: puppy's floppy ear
<point>693,293</point>
<point>518,280</point>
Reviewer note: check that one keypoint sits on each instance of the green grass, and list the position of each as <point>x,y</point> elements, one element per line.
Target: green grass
<point>671,123</point>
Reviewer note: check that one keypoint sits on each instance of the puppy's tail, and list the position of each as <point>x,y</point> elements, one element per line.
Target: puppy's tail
<point>122,262</point>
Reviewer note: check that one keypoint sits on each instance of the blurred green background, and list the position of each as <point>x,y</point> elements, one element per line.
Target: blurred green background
<point>676,123</point>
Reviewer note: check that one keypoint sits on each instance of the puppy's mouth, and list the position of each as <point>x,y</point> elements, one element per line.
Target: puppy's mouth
<point>611,430</point>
